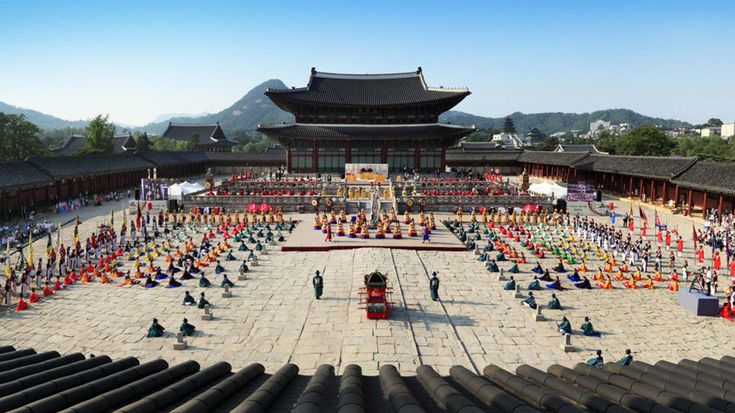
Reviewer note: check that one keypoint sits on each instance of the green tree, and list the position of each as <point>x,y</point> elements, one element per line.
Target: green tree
<point>645,140</point>
<point>194,141</point>
<point>508,125</point>
<point>19,138</point>
<point>143,142</point>
<point>548,144</point>
<point>99,135</point>
<point>714,122</point>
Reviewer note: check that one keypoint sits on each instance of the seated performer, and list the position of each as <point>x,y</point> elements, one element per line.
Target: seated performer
<point>582,268</point>
<point>482,257</point>
<point>530,301</point>
<point>492,266</point>
<point>726,311</point>
<point>559,267</point>
<point>230,257</point>
<point>187,329</point>
<point>510,285</point>
<point>514,269</point>
<point>588,329</point>
<point>574,277</point>
<point>226,281</point>
<point>204,282</point>
<point>46,290</point>
<point>172,283</point>
<point>546,276</point>
<point>149,283</point>
<point>500,257</point>
<point>537,269</point>
<point>673,285</point>
<point>219,269</point>
<point>188,299</point>
<point>627,359</point>
<point>243,267</point>
<point>243,247</point>
<point>565,327</point>
<point>202,301</point>
<point>596,361</point>
<point>605,284</point>
<point>554,303</point>
<point>534,285</point>
<point>160,275</point>
<point>34,298</point>
<point>155,330</point>
<point>584,284</point>
<point>649,283</point>
<point>631,284</point>
<point>556,285</point>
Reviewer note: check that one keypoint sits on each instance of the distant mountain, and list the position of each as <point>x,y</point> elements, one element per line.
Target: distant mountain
<point>166,116</point>
<point>42,120</point>
<point>553,122</point>
<point>243,115</point>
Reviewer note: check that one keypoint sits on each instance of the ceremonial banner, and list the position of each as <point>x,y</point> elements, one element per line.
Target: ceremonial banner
<point>581,191</point>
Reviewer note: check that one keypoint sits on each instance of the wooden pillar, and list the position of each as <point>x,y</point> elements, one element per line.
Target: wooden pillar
<point>664,194</point>
<point>676,195</point>
<point>348,155</point>
<point>314,158</point>
<point>653,190</point>
<point>704,203</point>
<point>689,200</point>
<point>640,187</point>
<point>417,159</point>
<point>719,205</point>
<point>384,155</point>
<point>288,159</point>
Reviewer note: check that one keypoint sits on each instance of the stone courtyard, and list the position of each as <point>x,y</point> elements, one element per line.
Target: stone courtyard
<point>272,317</point>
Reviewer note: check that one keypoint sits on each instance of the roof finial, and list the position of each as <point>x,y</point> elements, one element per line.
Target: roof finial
<point>313,70</point>
<point>419,71</point>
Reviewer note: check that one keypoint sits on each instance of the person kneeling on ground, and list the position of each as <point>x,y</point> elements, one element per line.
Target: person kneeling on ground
<point>187,329</point>
<point>188,299</point>
<point>554,303</point>
<point>510,285</point>
<point>596,361</point>
<point>226,282</point>
<point>202,301</point>
<point>530,301</point>
<point>155,330</point>
<point>588,329</point>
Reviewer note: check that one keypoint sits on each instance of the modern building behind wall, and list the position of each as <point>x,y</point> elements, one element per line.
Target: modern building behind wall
<point>372,118</point>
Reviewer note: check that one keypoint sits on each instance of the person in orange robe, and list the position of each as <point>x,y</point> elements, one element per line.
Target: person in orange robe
<point>631,284</point>
<point>85,278</point>
<point>606,284</point>
<point>716,261</point>
<point>657,276</point>
<point>104,279</point>
<point>673,285</point>
<point>649,283</point>
<point>619,276</point>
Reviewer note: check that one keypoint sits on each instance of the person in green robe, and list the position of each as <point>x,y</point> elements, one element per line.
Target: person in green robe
<point>204,282</point>
<point>230,257</point>
<point>482,257</point>
<point>596,361</point>
<point>588,329</point>
<point>187,329</point>
<point>500,257</point>
<point>554,303</point>
<point>258,246</point>
<point>510,285</point>
<point>244,267</point>
<point>530,301</point>
<point>226,281</point>
<point>219,269</point>
<point>492,266</point>
<point>625,361</point>
<point>514,269</point>
<point>242,247</point>
<point>534,285</point>
<point>565,327</point>
<point>202,301</point>
<point>188,299</point>
<point>318,283</point>
<point>156,330</point>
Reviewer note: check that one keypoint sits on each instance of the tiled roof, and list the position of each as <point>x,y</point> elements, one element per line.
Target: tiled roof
<point>477,146</point>
<point>50,382</point>
<point>272,157</point>
<point>370,90</point>
<point>120,143</point>
<point>645,166</point>
<point>173,158</point>
<point>552,158</point>
<point>709,176</point>
<point>208,134</point>
<point>386,132</point>
<point>577,148</point>
<point>481,156</point>
<point>20,174</point>
<point>68,166</point>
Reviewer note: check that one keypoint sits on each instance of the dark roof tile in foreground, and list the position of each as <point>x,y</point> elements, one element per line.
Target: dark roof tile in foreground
<point>208,134</point>
<point>656,167</point>
<point>709,176</point>
<point>69,166</point>
<point>367,90</point>
<point>21,174</point>
<point>578,148</point>
<point>173,158</point>
<point>464,157</point>
<point>552,158</point>
<point>126,385</point>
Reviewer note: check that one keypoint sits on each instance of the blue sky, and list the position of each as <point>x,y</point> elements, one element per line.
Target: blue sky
<point>138,59</point>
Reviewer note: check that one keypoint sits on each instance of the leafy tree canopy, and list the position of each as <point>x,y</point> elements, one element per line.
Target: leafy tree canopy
<point>99,135</point>
<point>19,138</point>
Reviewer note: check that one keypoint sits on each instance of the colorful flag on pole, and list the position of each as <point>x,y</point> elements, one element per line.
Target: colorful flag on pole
<point>125,217</point>
<point>76,229</point>
<point>138,217</point>
<point>7,260</point>
<point>30,247</point>
<point>657,221</point>
<point>49,245</point>
<point>694,236</point>
<point>643,215</point>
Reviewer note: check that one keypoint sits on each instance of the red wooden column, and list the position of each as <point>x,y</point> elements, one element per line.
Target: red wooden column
<point>630,187</point>
<point>640,188</point>
<point>664,195</point>
<point>689,201</point>
<point>676,195</point>
<point>719,205</point>
<point>348,155</point>
<point>653,191</point>
<point>704,203</point>
<point>384,155</point>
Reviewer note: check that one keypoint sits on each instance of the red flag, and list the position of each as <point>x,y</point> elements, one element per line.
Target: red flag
<point>694,236</point>
<point>138,217</point>
<point>655,216</point>
<point>642,214</point>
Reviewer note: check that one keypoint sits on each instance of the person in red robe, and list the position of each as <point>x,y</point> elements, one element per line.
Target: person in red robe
<point>679,247</point>
<point>732,269</point>
<point>57,284</point>
<point>659,237</point>
<point>34,298</point>
<point>667,241</point>
<point>716,261</point>
<point>726,311</point>
<point>46,290</point>
<point>700,254</point>
<point>22,305</point>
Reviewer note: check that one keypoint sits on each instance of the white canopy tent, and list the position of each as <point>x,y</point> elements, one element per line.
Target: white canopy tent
<point>177,191</point>
<point>548,189</point>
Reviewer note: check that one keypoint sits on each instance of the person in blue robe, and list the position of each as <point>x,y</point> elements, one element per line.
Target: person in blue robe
<point>530,301</point>
<point>625,361</point>
<point>318,284</point>
<point>230,257</point>
<point>588,329</point>
<point>149,283</point>
<point>534,285</point>
<point>204,282</point>
<point>546,276</point>
<point>596,361</point>
<point>565,327</point>
<point>556,285</point>
<point>226,282</point>
<point>219,269</point>
<point>188,299</point>
<point>510,285</point>
<point>554,303</point>
<point>434,286</point>
<point>514,269</point>
<point>242,247</point>
<point>574,277</point>
<point>155,330</point>
<point>243,268</point>
<point>584,284</point>
<point>172,283</point>
<point>500,257</point>
<point>202,301</point>
<point>187,329</point>
<point>537,269</point>
<point>492,266</point>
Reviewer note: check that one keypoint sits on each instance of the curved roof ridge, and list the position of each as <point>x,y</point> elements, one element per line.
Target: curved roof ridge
<point>359,76</point>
